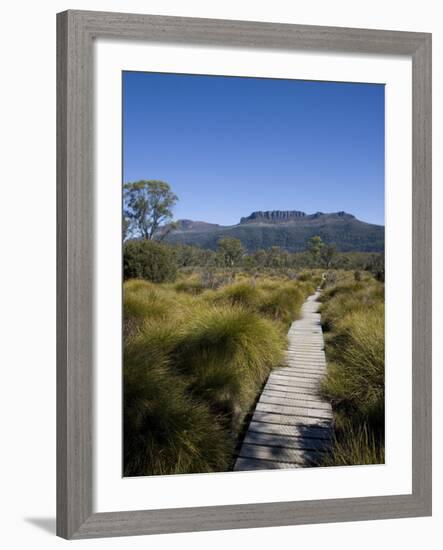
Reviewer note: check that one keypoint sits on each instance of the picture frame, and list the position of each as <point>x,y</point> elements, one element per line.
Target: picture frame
<point>76,32</point>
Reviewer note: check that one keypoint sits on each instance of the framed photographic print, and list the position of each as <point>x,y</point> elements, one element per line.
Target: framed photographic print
<point>244,274</point>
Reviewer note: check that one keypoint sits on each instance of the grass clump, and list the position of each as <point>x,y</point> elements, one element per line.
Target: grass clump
<point>190,285</point>
<point>284,303</point>
<point>226,354</point>
<point>275,298</point>
<point>165,430</point>
<point>194,362</point>
<point>355,444</point>
<point>244,294</point>
<point>355,379</point>
<point>353,315</point>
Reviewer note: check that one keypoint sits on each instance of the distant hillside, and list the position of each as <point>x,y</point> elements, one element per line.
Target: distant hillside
<point>288,229</point>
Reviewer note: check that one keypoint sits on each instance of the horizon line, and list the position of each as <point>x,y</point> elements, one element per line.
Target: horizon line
<point>277,210</point>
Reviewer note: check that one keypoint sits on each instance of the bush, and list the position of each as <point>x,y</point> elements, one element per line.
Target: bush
<point>149,260</point>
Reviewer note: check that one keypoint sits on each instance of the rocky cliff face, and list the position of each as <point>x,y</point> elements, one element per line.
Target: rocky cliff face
<point>282,216</point>
<point>273,216</point>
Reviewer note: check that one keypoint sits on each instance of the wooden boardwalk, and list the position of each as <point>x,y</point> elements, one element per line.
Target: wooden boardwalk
<point>292,425</point>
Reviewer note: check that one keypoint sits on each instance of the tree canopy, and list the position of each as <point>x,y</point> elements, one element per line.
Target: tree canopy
<point>150,260</point>
<point>147,205</point>
<point>230,251</point>
<point>315,244</point>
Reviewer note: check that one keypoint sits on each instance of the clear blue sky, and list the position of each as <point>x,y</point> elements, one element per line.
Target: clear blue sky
<point>229,146</point>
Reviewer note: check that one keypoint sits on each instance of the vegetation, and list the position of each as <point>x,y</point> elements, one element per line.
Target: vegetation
<point>147,206</point>
<point>195,359</point>
<point>230,251</point>
<point>353,320</point>
<point>315,245</point>
<point>343,230</point>
<point>148,260</point>
<point>204,325</point>
<point>276,259</point>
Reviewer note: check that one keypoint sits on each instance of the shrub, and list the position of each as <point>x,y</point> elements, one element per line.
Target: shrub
<point>150,260</point>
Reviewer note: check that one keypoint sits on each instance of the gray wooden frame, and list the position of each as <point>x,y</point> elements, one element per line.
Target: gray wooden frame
<point>76,31</point>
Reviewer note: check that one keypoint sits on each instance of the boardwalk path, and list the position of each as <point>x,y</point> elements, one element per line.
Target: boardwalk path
<point>291,426</point>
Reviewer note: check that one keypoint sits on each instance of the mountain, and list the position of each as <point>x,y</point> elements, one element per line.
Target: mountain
<point>289,229</point>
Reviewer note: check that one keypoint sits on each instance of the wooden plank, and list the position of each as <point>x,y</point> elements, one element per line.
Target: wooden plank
<point>291,442</point>
<point>281,454</point>
<point>300,374</point>
<point>301,369</point>
<point>293,410</point>
<point>304,370</point>
<point>283,394</point>
<point>297,375</point>
<point>292,430</point>
<point>291,382</point>
<point>297,402</point>
<point>243,464</point>
<point>292,423</point>
<point>294,420</point>
<point>274,386</point>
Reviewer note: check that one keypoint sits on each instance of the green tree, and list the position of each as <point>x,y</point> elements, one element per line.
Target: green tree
<point>315,244</point>
<point>277,257</point>
<point>260,258</point>
<point>327,254</point>
<point>150,260</point>
<point>147,205</point>
<point>230,251</point>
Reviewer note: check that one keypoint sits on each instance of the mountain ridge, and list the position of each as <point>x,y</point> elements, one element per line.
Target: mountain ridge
<point>288,229</point>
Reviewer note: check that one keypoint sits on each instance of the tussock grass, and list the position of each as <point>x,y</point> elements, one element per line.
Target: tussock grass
<point>355,379</point>
<point>284,303</point>
<point>191,286</point>
<point>275,298</point>
<point>353,313</point>
<point>346,297</point>
<point>227,354</point>
<point>165,430</point>
<point>245,294</point>
<point>194,362</point>
<point>355,445</point>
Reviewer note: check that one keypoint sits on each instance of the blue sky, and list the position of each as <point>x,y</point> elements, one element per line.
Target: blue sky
<point>229,145</point>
